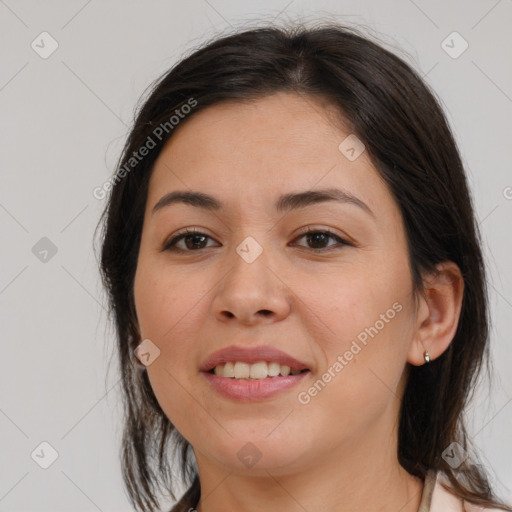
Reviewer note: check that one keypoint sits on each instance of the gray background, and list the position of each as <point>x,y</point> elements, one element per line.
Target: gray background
<point>64,120</point>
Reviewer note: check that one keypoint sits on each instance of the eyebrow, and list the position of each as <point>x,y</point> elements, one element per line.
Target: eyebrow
<point>285,203</point>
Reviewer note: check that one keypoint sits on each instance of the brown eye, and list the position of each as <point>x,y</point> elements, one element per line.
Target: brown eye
<point>192,241</point>
<point>317,240</point>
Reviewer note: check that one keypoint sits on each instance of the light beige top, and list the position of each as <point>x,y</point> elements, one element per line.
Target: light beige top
<point>436,498</point>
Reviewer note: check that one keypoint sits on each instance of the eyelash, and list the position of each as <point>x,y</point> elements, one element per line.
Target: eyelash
<point>170,245</point>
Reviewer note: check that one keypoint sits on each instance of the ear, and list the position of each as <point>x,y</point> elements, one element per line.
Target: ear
<point>438,313</point>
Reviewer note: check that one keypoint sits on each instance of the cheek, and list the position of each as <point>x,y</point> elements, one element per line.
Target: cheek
<point>362,326</point>
<point>364,362</point>
<point>166,300</point>
<point>347,300</point>
<point>168,305</point>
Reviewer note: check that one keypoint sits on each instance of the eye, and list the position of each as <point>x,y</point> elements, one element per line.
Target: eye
<point>194,240</point>
<point>318,237</point>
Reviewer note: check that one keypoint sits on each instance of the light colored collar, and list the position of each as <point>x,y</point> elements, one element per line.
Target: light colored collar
<point>436,498</point>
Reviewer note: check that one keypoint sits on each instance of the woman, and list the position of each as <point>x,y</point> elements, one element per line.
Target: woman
<point>297,282</point>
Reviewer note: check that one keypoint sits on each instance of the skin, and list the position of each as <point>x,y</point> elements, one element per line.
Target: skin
<point>340,448</point>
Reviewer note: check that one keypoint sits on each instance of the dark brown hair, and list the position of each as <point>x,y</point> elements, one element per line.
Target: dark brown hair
<point>390,108</point>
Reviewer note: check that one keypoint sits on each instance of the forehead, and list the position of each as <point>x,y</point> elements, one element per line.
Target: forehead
<point>261,148</point>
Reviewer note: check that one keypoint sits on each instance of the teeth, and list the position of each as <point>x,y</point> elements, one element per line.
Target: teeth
<point>242,370</point>
<point>256,371</point>
<point>274,369</point>
<point>229,370</point>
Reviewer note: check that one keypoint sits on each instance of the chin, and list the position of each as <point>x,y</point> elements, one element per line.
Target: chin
<point>258,455</point>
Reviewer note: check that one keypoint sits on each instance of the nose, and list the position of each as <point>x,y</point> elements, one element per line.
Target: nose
<point>252,292</point>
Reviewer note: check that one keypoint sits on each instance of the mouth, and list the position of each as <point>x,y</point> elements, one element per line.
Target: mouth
<point>248,374</point>
<point>261,370</point>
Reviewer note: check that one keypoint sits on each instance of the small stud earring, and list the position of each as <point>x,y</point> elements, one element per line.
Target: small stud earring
<point>426,356</point>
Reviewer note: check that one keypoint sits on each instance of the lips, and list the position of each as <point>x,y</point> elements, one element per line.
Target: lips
<point>251,355</point>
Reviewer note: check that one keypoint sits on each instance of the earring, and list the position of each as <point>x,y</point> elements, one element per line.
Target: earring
<point>426,356</point>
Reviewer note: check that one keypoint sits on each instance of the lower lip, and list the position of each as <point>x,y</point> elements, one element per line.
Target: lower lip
<point>252,390</point>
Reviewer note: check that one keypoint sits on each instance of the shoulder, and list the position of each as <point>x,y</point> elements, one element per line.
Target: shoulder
<point>444,501</point>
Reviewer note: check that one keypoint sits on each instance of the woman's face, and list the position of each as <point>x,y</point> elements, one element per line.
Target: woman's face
<point>251,278</point>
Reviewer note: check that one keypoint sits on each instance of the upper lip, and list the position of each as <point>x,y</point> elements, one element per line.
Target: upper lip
<point>251,355</point>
